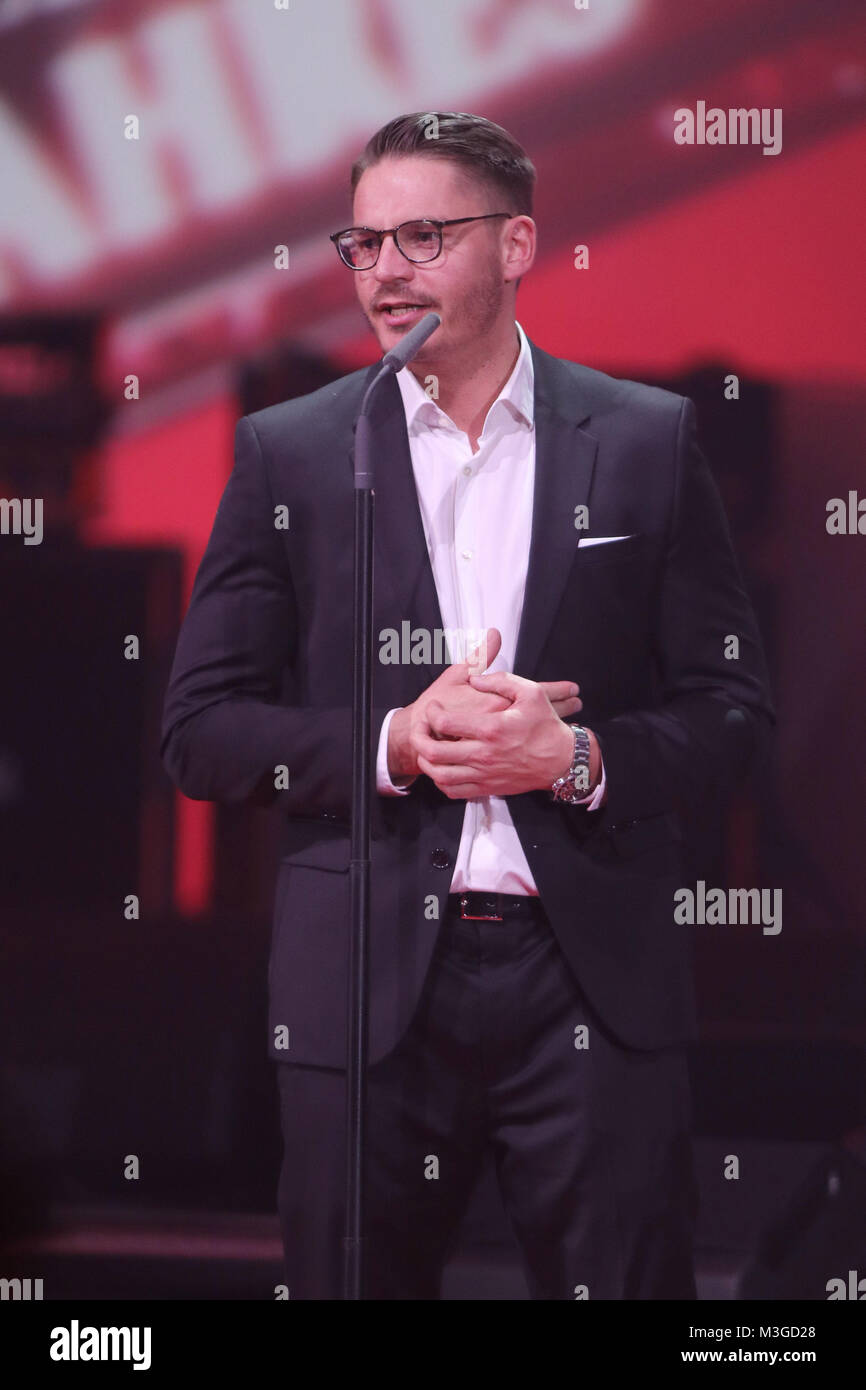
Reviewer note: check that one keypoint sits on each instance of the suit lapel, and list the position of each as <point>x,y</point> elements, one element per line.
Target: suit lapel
<point>564,462</point>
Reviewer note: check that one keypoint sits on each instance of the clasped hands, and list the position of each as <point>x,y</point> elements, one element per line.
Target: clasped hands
<point>480,735</point>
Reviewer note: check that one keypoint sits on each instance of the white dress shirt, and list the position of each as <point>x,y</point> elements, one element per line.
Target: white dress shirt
<point>477,514</point>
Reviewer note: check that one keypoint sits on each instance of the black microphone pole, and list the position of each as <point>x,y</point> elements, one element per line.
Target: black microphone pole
<point>362,778</point>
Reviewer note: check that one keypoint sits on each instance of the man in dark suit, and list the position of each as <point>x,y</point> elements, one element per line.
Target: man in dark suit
<point>530,988</point>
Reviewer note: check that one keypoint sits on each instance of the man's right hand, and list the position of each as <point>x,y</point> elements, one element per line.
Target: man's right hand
<point>453,691</point>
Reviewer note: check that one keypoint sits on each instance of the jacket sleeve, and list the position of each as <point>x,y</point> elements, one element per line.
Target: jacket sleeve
<point>224,730</point>
<point>714,709</point>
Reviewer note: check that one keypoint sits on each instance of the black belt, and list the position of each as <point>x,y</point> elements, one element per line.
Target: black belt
<point>493,907</point>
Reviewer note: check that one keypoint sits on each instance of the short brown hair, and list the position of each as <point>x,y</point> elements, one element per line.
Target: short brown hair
<point>485,151</point>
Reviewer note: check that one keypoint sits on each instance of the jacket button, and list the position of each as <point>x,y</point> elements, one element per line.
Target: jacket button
<point>440,859</point>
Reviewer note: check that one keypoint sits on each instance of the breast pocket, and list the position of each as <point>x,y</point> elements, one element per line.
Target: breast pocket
<point>611,552</point>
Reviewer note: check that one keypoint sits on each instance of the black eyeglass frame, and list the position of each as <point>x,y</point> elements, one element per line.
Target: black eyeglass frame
<point>412,222</point>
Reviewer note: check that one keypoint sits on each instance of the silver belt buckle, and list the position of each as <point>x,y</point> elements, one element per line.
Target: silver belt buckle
<point>469,917</point>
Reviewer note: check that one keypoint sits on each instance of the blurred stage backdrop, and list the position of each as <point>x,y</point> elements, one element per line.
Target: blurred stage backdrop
<point>145,305</point>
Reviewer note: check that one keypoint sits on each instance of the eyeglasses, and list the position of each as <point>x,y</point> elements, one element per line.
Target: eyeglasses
<point>419,241</point>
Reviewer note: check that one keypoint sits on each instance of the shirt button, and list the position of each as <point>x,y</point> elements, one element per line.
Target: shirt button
<point>467,554</point>
<point>467,471</point>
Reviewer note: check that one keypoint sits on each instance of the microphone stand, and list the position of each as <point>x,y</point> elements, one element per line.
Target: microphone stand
<point>362,777</point>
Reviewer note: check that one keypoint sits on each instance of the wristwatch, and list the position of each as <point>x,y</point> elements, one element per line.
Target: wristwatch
<point>575,785</point>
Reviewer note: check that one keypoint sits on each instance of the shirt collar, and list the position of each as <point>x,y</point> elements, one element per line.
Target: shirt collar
<point>516,396</point>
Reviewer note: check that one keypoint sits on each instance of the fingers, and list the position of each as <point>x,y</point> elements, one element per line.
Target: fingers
<point>559,690</point>
<point>445,752</point>
<point>481,654</point>
<point>566,707</point>
<point>563,695</point>
<point>466,789</point>
<point>454,711</point>
<point>503,683</point>
<point>442,721</point>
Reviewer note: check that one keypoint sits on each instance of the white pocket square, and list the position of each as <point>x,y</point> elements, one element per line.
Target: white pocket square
<point>600,540</point>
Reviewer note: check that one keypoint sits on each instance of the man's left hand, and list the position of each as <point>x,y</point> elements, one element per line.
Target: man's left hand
<point>519,749</point>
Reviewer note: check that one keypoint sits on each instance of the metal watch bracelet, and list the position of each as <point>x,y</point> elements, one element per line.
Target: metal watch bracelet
<point>575,785</point>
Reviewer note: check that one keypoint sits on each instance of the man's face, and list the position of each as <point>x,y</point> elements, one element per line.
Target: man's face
<point>466,284</point>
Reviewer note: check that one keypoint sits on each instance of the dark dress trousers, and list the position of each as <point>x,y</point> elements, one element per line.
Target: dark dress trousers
<point>467,1019</point>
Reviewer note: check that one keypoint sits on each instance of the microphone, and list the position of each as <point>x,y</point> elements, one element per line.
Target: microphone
<point>397,357</point>
<point>362,781</point>
<point>393,360</point>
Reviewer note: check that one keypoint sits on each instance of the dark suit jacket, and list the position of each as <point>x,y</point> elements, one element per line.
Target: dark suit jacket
<point>262,677</point>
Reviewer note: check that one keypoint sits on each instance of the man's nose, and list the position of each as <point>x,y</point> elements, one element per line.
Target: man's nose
<point>392,264</point>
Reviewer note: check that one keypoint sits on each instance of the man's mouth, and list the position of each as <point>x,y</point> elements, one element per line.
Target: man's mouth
<point>395,310</point>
